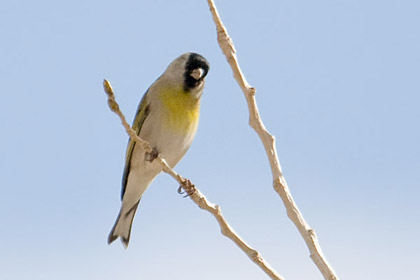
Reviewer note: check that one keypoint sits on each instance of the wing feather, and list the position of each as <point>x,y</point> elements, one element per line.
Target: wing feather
<point>143,111</point>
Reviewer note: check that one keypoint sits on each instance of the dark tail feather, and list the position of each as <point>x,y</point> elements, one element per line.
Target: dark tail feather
<point>112,236</point>
<point>122,226</point>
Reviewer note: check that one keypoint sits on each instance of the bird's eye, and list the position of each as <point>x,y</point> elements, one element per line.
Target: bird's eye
<point>197,73</point>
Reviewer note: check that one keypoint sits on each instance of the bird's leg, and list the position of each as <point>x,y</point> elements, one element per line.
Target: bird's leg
<point>152,155</point>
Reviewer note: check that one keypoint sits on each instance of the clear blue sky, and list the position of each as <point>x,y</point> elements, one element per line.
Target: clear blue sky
<point>337,84</point>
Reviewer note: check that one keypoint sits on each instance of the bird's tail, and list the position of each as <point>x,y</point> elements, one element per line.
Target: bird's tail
<point>122,226</point>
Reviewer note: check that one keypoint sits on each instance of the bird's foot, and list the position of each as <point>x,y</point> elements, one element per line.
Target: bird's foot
<point>152,155</point>
<point>186,188</point>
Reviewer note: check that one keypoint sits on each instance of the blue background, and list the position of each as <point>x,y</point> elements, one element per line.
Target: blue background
<point>337,84</point>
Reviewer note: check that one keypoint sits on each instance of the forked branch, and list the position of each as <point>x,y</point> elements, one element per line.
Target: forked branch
<point>279,182</point>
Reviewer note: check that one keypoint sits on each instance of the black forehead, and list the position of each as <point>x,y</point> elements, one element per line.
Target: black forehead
<point>196,61</point>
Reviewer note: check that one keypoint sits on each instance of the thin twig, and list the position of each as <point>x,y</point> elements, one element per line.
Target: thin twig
<point>279,182</point>
<point>193,192</point>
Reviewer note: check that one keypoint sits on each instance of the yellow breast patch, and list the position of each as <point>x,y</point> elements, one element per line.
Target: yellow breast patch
<point>182,110</point>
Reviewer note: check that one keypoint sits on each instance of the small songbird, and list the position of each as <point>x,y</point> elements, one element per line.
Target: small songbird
<point>167,118</point>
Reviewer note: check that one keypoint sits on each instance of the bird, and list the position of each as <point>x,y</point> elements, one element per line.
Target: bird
<point>167,117</point>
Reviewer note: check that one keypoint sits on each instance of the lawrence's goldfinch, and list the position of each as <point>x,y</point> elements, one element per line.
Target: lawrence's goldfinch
<point>167,118</point>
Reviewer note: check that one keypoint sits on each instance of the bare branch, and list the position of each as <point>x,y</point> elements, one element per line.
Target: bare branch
<point>193,192</point>
<point>279,182</point>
